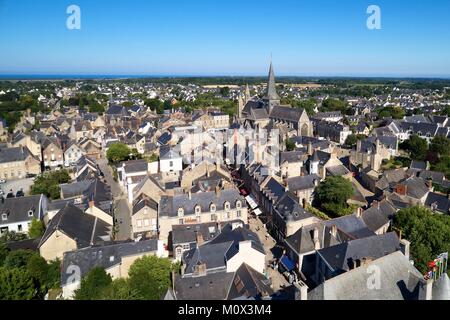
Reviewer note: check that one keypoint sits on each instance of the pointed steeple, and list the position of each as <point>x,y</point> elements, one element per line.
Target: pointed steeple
<point>271,93</point>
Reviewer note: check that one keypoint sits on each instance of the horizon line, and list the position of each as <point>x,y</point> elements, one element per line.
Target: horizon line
<point>106,76</point>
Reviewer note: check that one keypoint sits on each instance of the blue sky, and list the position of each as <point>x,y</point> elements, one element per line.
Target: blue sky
<point>233,37</point>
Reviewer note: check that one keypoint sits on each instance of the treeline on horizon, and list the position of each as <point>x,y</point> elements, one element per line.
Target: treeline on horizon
<point>408,83</point>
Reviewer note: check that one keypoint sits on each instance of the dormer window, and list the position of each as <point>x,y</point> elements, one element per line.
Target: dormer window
<point>198,210</point>
<point>30,213</point>
<point>213,207</point>
<point>226,205</point>
<point>180,212</point>
<point>238,204</point>
<point>4,217</point>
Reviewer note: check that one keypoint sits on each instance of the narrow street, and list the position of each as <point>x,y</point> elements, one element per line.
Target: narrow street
<point>272,251</point>
<point>122,210</point>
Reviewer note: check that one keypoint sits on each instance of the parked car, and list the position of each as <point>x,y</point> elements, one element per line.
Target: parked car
<point>20,193</point>
<point>2,181</point>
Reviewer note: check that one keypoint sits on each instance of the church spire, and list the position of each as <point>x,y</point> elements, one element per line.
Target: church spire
<point>271,93</point>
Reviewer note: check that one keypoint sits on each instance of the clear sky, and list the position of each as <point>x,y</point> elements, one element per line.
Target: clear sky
<point>233,37</point>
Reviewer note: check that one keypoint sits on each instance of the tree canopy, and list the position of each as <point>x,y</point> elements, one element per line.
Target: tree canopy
<point>36,229</point>
<point>332,194</point>
<point>416,146</point>
<point>150,277</point>
<point>428,233</point>
<point>93,284</point>
<point>48,183</point>
<point>119,152</point>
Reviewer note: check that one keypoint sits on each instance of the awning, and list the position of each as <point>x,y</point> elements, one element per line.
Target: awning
<point>251,202</point>
<point>287,263</point>
<point>257,211</point>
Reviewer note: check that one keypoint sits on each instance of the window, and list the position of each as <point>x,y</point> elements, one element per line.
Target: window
<point>146,222</point>
<point>213,217</point>
<point>198,210</point>
<point>238,213</point>
<point>139,223</point>
<point>226,205</point>
<point>238,204</point>
<point>180,221</point>
<point>4,217</point>
<point>186,246</point>
<point>171,163</point>
<point>180,212</point>
<point>19,228</point>
<point>212,207</point>
<point>199,219</point>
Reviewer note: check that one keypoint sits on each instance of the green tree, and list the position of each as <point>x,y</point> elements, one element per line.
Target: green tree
<point>440,145</point>
<point>18,258</point>
<point>93,284</point>
<point>416,146</point>
<point>3,253</point>
<point>48,183</point>
<point>150,277</point>
<point>351,140</point>
<point>290,145</point>
<point>393,112</point>
<point>331,104</point>
<point>332,194</point>
<point>118,152</point>
<point>36,229</point>
<point>428,233</point>
<point>16,284</point>
<point>120,289</point>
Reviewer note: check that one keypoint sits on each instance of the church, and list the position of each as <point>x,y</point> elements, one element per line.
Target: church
<point>268,112</point>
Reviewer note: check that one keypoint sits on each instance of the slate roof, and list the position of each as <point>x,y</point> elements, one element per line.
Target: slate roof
<point>340,257</point>
<point>292,156</point>
<point>438,201</point>
<point>274,190</point>
<point>142,203</point>
<point>378,215</point>
<point>104,256</point>
<point>286,113</point>
<point>351,225</point>
<point>303,182</point>
<point>18,209</point>
<point>289,208</point>
<point>84,228</point>
<point>399,281</point>
<point>210,287</point>
<point>188,233</point>
<point>14,154</point>
<point>135,166</point>
<point>169,205</point>
<point>302,241</point>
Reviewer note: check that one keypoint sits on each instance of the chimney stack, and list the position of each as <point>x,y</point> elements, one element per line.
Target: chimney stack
<point>316,239</point>
<point>301,291</point>
<point>404,247</point>
<point>334,230</point>
<point>426,290</point>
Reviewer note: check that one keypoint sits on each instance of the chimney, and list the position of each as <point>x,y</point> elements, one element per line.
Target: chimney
<point>404,247</point>
<point>301,291</point>
<point>200,269</point>
<point>218,191</point>
<point>334,230</point>
<point>316,239</point>
<point>243,245</point>
<point>426,290</point>
<point>429,183</point>
<point>190,195</point>
<point>366,260</point>
<point>358,212</point>
<point>310,148</point>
